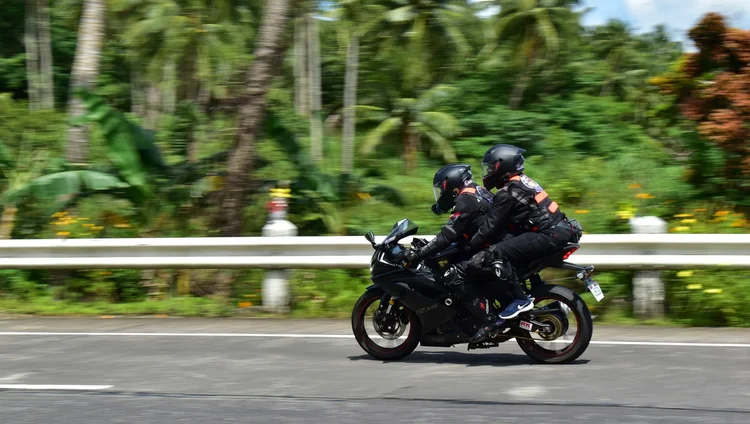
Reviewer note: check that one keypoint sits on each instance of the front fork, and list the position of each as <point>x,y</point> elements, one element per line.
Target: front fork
<point>387,305</point>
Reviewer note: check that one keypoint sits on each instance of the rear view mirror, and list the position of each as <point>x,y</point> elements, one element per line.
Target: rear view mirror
<point>371,238</point>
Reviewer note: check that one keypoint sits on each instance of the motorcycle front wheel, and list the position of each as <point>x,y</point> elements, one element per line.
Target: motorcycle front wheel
<point>384,328</point>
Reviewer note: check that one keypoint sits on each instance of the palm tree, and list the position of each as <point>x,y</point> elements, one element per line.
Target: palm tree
<point>84,74</point>
<point>192,45</point>
<point>39,55</point>
<point>31,41</point>
<point>414,119</point>
<point>45,56</point>
<point>266,64</point>
<point>429,35</point>
<point>614,43</point>
<point>535,28</point>
<point>357,18</point>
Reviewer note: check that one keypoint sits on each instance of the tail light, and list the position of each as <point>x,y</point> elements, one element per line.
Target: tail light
<point>569,252</point>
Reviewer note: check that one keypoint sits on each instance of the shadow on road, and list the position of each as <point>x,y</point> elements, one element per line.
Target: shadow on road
<point>468,359</point>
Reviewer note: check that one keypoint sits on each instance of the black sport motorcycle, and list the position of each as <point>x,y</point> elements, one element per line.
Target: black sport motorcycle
<point>422,301</point>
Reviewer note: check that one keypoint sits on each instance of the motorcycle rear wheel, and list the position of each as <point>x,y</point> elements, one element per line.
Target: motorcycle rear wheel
<point>402,313</point>
<point>584,327</point>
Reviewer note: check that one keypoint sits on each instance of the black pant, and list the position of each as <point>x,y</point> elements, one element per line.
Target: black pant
<point>478,284</point>
<point>527,247</point>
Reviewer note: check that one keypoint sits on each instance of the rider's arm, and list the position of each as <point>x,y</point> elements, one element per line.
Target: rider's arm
<point>496,220</point>
<point>452,231</point>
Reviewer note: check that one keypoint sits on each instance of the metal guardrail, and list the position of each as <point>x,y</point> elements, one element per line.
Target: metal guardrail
<point>621,251</point>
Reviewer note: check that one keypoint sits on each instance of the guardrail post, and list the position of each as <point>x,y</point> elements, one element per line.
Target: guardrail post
<point>648,288</point>
<point>275,284</point>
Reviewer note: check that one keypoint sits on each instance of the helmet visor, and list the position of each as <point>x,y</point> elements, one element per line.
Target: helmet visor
<point>437,191</point>
<point>488,168</point>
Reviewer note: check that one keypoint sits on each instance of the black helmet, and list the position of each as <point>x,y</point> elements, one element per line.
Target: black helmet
<point>447,184</point>
<point>500,163</point>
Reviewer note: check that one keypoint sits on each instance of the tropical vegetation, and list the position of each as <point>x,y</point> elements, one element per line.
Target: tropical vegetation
<point>150,118</point>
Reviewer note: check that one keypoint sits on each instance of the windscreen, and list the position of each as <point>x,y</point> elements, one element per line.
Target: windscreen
<point>401,229</point>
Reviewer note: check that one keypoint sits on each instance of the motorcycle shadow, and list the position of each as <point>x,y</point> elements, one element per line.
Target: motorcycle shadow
<point>464,358</point>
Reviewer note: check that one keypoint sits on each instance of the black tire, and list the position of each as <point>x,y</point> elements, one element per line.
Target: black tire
<point>372,349</point>
<point>584,330</point>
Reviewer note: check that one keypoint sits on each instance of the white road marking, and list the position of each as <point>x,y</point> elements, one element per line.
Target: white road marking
<point>14,377</point>
<point>343,336</point>
<point>50,387</point>
<point>527,392</point>
<point>294,336</point>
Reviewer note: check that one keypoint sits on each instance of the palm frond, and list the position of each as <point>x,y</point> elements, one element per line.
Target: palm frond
<point>431,97</point>
<point>444,123</point>
<point>441,143</point>
<point>376,136</point>
<point>401,14</point>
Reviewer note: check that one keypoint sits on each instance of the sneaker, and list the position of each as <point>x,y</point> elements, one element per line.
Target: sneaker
<point>516,307</point>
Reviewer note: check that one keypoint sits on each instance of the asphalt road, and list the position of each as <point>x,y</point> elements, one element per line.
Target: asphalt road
<point>256,370</point>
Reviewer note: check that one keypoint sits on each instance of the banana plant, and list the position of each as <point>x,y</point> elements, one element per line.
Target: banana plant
<point>319,196</point>
<point>136,170</point>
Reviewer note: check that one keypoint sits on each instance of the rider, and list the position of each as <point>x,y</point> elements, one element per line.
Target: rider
<point>522,207</point>
<point>455,191</point>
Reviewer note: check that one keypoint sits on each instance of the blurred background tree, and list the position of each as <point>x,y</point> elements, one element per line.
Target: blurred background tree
<point>195,108</point>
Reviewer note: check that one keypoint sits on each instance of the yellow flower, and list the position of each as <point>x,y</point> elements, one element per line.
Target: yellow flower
<point>680,229</point>
<point>684,274</point>
<point>684,215</point>
<point>701,210</point>
<point>688,221</point>
<point>63,233</point>
<point>713,291</point>
<point>122,226</point>
<point>634,186</point>
<point>694,286</point>
<point>582,211</point>
<point>97,228</point>
<point>625,214</point>
<point>738,223</point>
<point>364,196</point>
<point>722,213</point>
<point>245,304</point>
<point>644,196</point>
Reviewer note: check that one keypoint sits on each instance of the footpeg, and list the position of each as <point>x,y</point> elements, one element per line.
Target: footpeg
<point>482,345</point>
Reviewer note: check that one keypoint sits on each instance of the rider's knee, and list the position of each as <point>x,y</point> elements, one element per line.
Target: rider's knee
<point>503,269</point>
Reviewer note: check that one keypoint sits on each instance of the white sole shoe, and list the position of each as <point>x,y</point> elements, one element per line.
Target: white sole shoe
<point>529,307</point>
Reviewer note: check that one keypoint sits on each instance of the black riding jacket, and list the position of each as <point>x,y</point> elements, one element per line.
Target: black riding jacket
<point>520,206</point>
<point>468,214</point>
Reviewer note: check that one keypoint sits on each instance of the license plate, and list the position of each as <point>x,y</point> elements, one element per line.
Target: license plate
<point>593,286</point>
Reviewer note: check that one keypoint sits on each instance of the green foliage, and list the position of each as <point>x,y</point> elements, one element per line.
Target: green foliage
<point>326,292</point>
<point>708,298</point>
<point>604,142</point>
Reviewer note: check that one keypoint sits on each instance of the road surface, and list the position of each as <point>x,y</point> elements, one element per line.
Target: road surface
<point>136,370</point>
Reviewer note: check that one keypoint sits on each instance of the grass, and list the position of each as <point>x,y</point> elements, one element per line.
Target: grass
<point>180,306</point>
<point>206,307</point>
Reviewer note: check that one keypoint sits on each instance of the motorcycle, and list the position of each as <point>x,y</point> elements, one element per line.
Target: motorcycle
<point>423,301</point>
